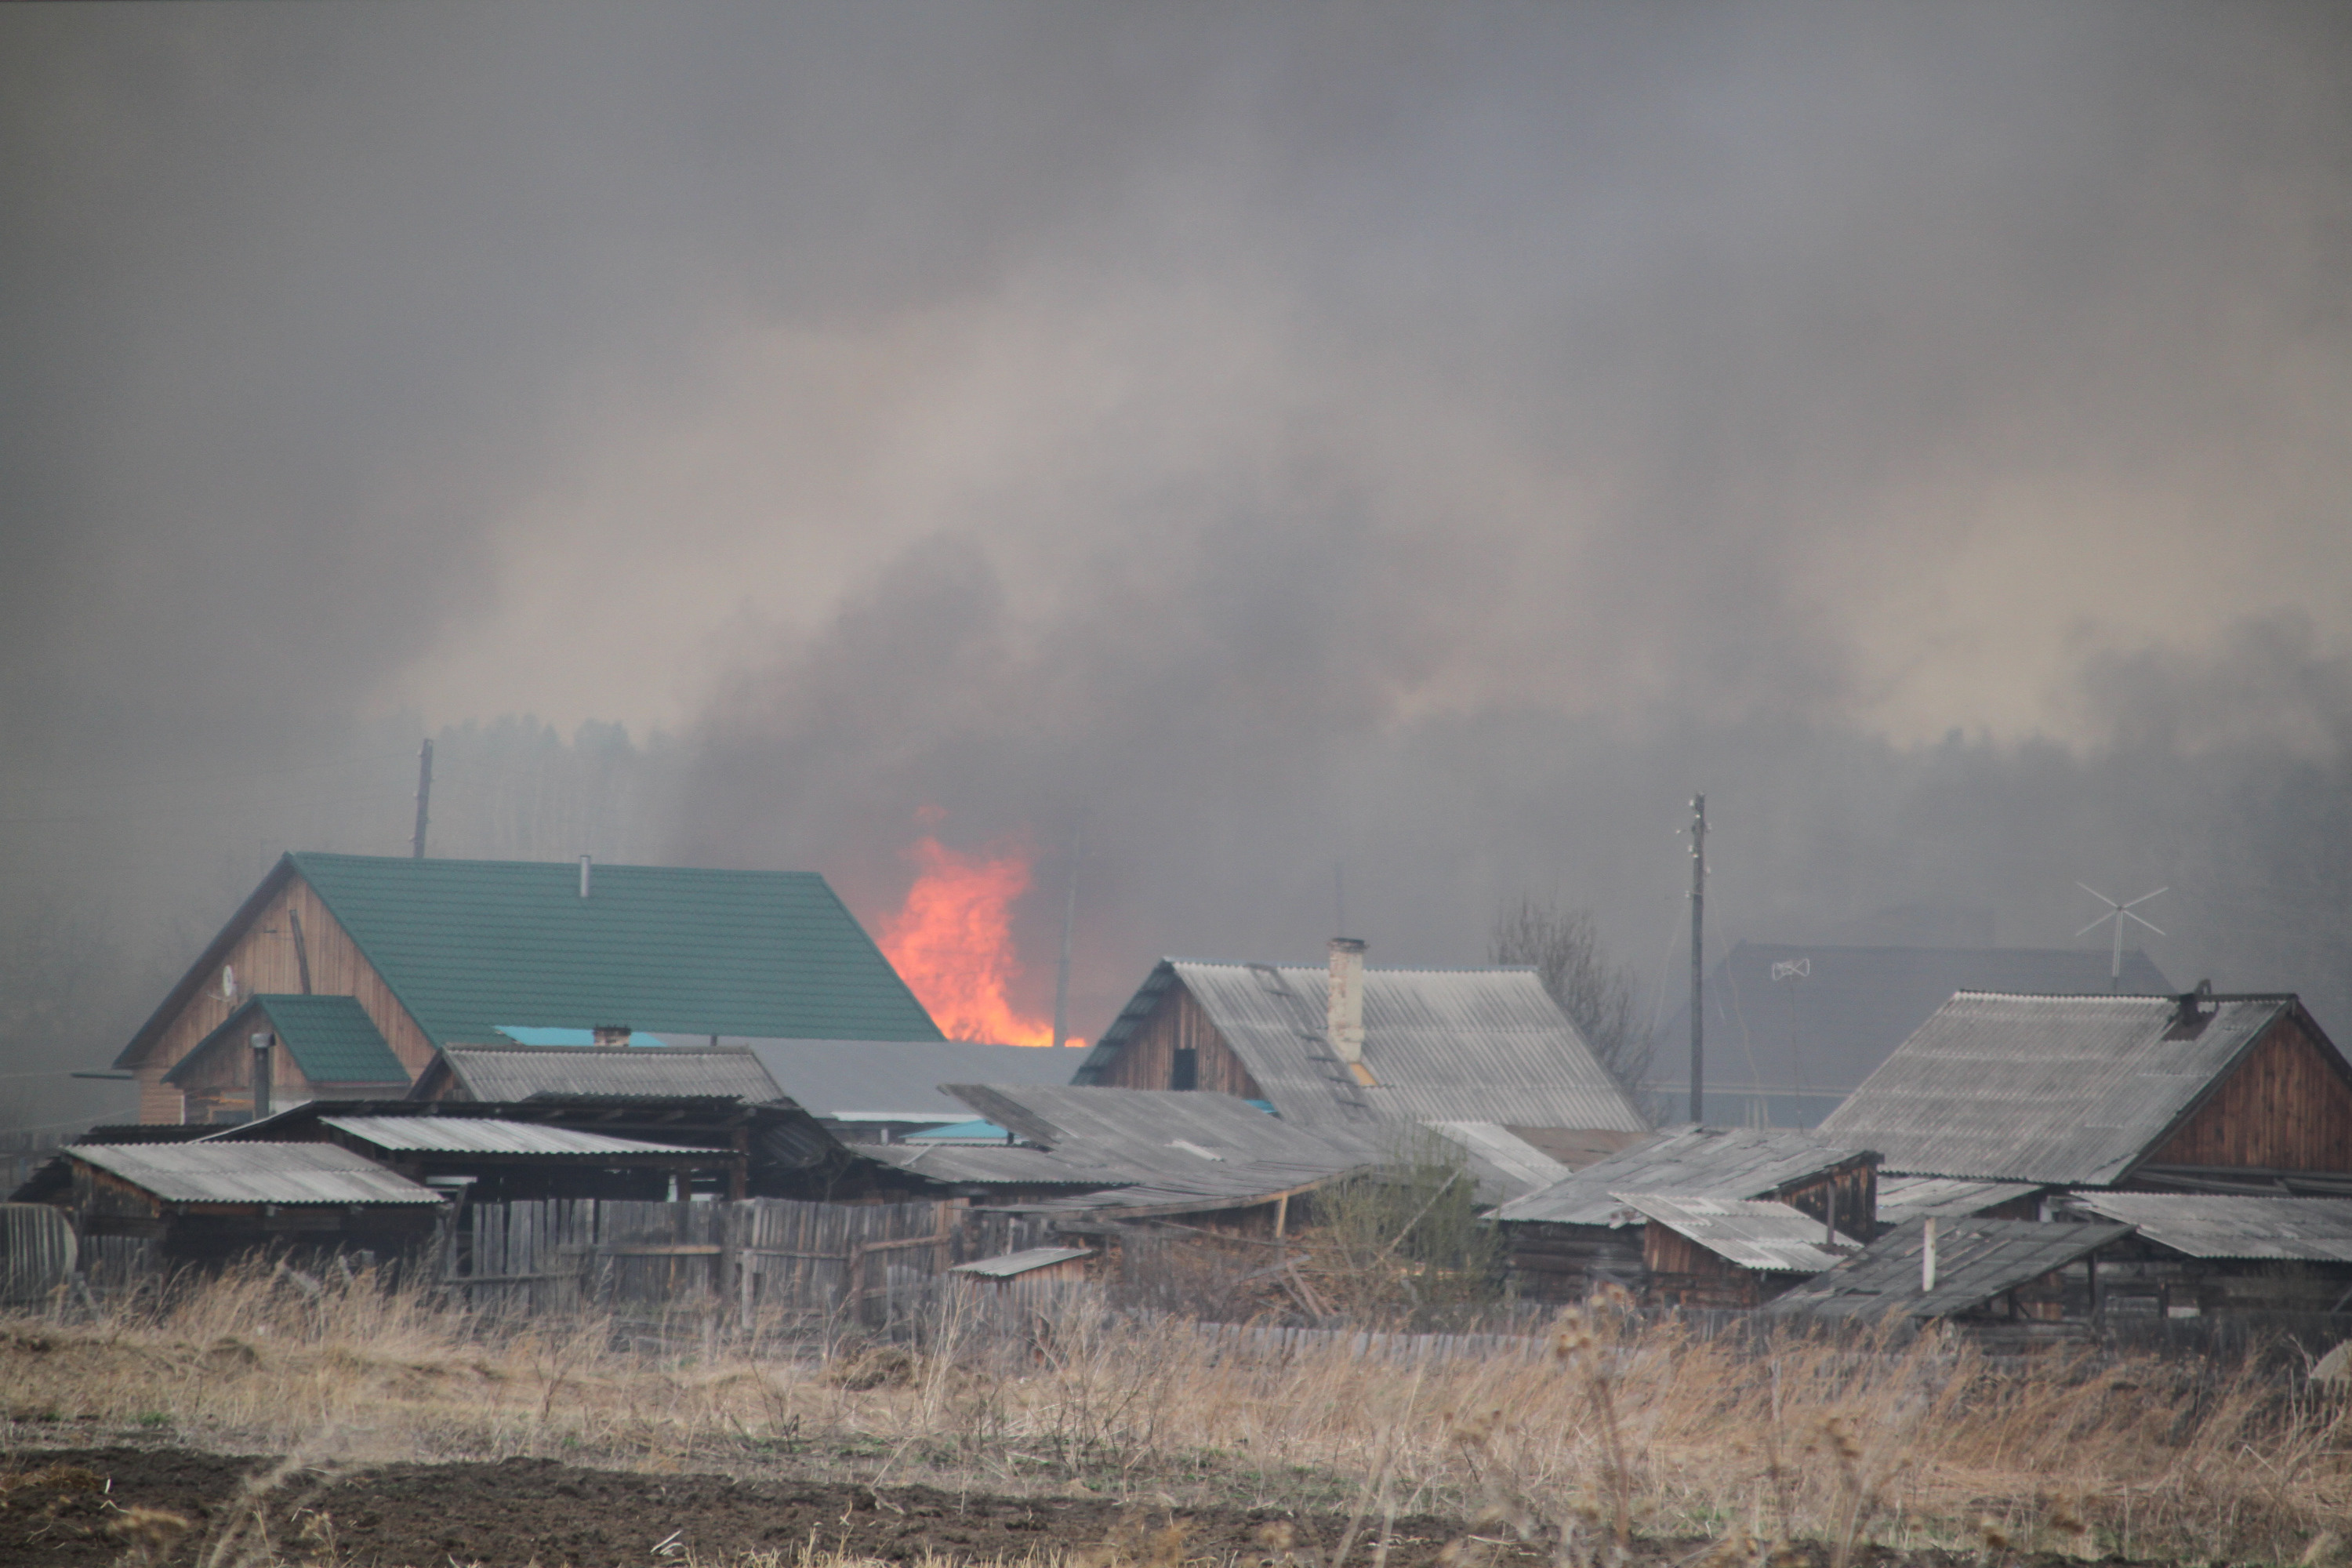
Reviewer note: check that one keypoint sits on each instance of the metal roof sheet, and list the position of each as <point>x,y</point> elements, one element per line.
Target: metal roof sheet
<point>2063,1091</point>
<point>1014,1263</point>
<point>1772,1239</point>
<point>484,1135</point>
<point>984,1165</point>
<point>830,1077</point>
<point>1720,1162</point>
<point>1508,1163</point>
<point>468,945</point>
<point>2315,1229</point>
<point>1975,1260</point>
<point>1181,1135</point>
<point>519,1072</point>
<point>1442,1044</point>
<point>1947,1197</point>
<point>1835,1012</point>
<point>291,1174</point>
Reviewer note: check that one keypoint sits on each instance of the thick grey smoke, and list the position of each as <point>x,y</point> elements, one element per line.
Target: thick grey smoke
<point>1429,440</point>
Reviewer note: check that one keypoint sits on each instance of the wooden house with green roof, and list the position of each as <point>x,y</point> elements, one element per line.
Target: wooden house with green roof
<point>440,951</point>
<point>326,1047</point>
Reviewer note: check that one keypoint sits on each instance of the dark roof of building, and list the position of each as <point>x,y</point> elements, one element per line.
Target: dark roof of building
<point>1975,1260</point>
<point>1442,1044</point>
<point>330,1038</point>
<point>290,1174</point>
<point>1837,1012</point>
<point>2072,1091</point>
<point>468,945</point>
<point>2314,1229</point>
<point>1769,1237</point>
<point>1717,1162</point>
<point>900,1078</point>
<point>1946,1197</point>
<point>519,1072</point>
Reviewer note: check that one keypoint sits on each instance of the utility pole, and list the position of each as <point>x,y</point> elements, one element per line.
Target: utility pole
<point>1069,920</point>
<point>1698,960</point>
<point>423,800</point>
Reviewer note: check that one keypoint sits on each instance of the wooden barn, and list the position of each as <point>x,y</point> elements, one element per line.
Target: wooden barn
<point>2194,1254</point>
<point>1579,1233</point>
<point>2190,1093</point>
<point>208,1203</point>
<point>1360,1049</point>
<point>440,951</point>
<point>1981,1274</point>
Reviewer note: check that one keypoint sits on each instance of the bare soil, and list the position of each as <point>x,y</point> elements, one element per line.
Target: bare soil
<point>81,1507</point>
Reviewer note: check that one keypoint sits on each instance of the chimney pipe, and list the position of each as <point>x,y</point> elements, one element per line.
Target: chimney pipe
<point>263,1057</point>
<point>1344,1015</point>
<point>585,861</point>
<point>1927,1258</point>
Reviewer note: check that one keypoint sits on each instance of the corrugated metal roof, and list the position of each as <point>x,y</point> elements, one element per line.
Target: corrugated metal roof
<point>2316,1229</point>
<point>1511,1164</point>
<point>483,1135</point>
<point>1975,1260</point>
<point>1168,1133</point>
<point>1947,1197</point>
<point>253,1173</point>
<point>830,1077</point>
<point>1810,1036</point>
<point>1769,1238</point>
<point>468,945</point>
<point>1469,1045</point>
<point>983,1164</point>
<point>519,1072</point>
<point>1014,1263</point>
<point>2063,1091</point>
<point>330,1038</point>
<point>1720,1162</point>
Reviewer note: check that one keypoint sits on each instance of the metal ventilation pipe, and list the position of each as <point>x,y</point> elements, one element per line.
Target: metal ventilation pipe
<point>585,861</point>
<point>264,1058</point>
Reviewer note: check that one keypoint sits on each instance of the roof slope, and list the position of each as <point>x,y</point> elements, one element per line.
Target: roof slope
<point>1976,1259</point>
<point>1772,1239</point>
<point>519,1072</point>
<point>484,1135</point>
<point>1169,1146</point>
<point>330,1038</point>
<point>1443,1044</point>
<point>1719,1162</point>
<point>2063,1089</point>
<point>253,1173</point>
<point>833,1078</point>
<point>2314,1229</point>
<point>1821,1031</point>
<point>468,945</point>
<point>1946,1197</point>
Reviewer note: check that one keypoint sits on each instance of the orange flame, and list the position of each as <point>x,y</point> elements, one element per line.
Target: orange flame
<point>952,943</point>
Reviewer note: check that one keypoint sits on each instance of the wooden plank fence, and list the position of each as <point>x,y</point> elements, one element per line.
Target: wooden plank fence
<point>761,1264</point>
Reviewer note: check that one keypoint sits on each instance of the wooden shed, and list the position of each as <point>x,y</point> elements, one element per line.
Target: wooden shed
<point>1728,1252</point>
<point>212,1202</point>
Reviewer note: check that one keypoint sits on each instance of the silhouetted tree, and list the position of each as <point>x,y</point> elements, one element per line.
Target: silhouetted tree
<point>1563,947</point>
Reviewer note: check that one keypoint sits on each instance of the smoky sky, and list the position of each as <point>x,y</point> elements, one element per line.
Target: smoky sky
<point>1426,441</point>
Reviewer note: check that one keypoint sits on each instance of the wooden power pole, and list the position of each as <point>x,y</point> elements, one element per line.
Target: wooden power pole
<point>1698,960</point>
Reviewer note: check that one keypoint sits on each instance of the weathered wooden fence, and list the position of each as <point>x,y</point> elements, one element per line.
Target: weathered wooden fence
<point>763,1264</point>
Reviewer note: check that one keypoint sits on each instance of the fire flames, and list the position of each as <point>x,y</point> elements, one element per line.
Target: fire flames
<point>952,943</point>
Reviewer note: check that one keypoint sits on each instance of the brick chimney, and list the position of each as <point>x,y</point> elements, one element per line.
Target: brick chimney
<point>1344,1015</point>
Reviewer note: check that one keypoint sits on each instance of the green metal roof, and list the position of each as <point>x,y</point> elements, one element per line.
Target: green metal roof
<point>330,1038</point>
<point>468,945</point>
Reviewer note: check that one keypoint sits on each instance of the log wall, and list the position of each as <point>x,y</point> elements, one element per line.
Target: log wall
<point>2286,1108</point>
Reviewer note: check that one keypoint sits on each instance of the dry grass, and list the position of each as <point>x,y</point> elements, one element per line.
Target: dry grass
<point>1615,1427</point>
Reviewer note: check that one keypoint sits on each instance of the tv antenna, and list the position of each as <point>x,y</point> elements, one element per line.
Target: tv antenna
<point>2118,912</point>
